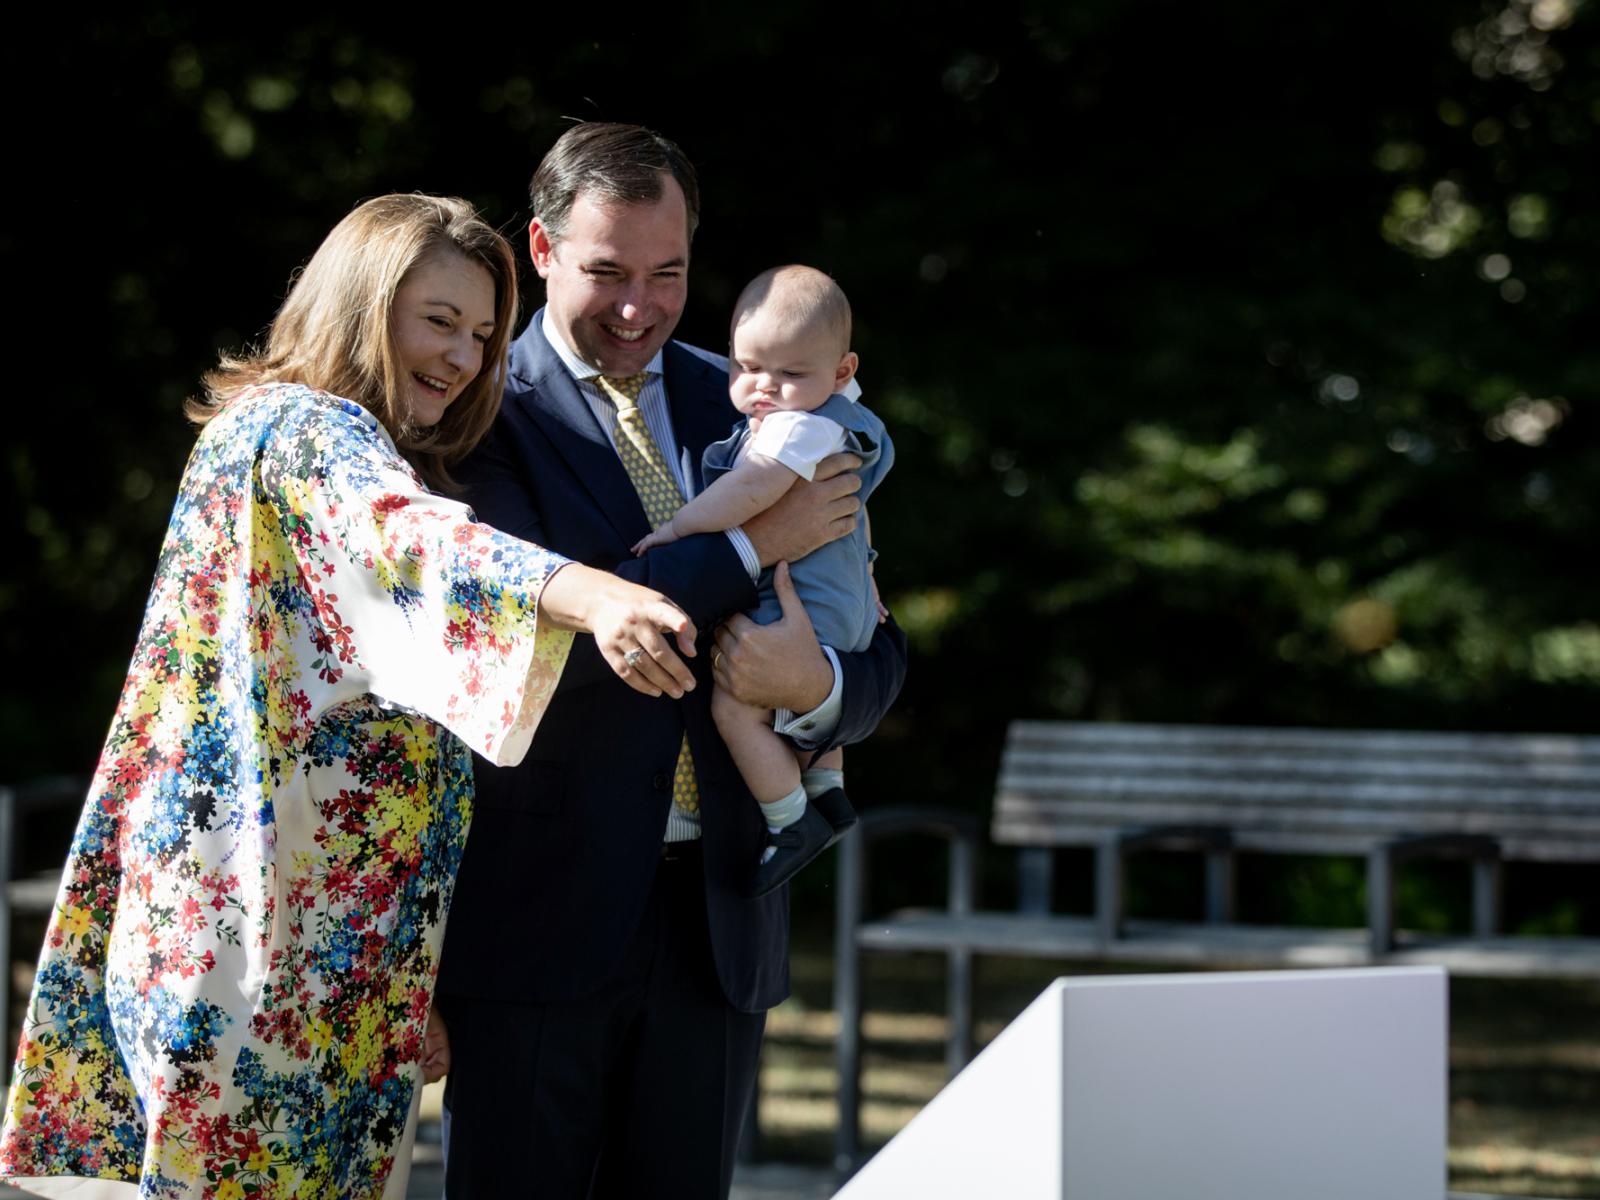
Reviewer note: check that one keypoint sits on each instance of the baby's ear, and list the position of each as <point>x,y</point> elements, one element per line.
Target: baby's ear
<point>846,370</point>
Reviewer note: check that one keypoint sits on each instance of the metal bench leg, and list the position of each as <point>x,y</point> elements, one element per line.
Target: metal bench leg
<point>8,831</point>
<point>961,891</point>
<point>1219,886</point>
<point>958,1051</point>
<point>847,1000</point>
<point>7,866</point>
<point>1380,901</point>
<point>1486,890</point>
<point>1036,869</point>
<point>1108,912</point>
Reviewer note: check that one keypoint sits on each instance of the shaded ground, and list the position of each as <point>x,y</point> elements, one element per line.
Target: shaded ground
<point>1524,1073</point>
<point>764,1181</point>
<point>1524,1066</point>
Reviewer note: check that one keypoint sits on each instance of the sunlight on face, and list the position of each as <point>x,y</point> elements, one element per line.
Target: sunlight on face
<point>443,316</point>
<point>616,282</point>
<point>775,366</point>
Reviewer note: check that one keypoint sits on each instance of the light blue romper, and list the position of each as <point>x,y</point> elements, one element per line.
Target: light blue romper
<point>834,582</point>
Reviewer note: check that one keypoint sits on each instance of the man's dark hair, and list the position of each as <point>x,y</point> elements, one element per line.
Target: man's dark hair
<point>619,164</point>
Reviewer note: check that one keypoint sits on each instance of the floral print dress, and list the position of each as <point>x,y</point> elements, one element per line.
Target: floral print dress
<point>236,978</point>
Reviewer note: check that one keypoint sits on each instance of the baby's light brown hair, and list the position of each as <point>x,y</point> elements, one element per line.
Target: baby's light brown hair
<point>804,296</point>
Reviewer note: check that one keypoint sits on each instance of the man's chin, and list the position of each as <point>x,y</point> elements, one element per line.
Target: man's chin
<point>615,356</point>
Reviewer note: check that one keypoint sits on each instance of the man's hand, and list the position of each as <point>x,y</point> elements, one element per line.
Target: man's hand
<point>809,515</point>
<point>773,666</point>
<point>435,1048</point>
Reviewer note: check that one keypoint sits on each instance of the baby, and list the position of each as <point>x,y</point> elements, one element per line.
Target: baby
<point>790,358</point>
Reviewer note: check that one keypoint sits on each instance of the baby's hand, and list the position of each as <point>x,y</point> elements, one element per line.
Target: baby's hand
<point>660,537</point>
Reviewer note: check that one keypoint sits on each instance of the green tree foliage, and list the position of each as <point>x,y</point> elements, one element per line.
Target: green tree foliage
<point>1240,358</point>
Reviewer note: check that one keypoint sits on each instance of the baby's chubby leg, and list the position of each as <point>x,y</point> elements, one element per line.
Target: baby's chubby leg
<point>823,775</point>
<point>764,759</point>
<point>798,833</point>
<point>833,760</point>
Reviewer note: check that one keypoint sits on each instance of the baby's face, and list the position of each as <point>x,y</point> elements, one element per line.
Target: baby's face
<point>775,367</point>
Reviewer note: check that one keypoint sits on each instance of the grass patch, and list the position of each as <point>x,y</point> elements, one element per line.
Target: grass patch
<point>1524,1065</point>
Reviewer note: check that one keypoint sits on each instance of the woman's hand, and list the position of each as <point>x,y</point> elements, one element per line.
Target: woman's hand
<point>629,623</point>
<point>435,1048</point>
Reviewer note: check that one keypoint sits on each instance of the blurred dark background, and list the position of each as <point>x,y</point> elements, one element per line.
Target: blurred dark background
<point>1241,358</point>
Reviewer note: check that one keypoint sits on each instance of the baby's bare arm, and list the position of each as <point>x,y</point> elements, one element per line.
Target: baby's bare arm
<point>753,486</point>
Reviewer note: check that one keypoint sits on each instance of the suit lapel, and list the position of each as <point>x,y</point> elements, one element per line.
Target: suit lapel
<point>697,393</point>
<point>546,391</point>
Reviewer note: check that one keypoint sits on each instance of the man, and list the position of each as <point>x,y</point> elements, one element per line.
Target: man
<point>604,981</point>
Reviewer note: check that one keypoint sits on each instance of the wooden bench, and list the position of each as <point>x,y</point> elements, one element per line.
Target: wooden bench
<point>33,894</point>
<point>1219,791</point>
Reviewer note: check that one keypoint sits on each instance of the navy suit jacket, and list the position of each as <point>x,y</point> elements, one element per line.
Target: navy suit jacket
<point>564,846</point>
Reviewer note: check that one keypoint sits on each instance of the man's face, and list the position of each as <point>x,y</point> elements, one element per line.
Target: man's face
<point>616,282</point>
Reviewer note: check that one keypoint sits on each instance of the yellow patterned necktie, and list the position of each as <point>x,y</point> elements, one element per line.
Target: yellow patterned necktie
<point>658,491</point>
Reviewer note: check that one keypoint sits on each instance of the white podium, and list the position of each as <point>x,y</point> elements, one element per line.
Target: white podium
<point>1260,1085</point>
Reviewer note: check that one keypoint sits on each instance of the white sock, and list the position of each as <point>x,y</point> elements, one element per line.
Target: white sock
<point>781,814</point>
<point>817,780</point>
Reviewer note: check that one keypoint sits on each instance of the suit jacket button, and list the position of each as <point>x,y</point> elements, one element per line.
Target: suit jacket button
<point>661,781</point>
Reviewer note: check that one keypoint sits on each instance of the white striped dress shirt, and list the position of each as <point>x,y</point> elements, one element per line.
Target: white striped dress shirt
<point>806,728</point>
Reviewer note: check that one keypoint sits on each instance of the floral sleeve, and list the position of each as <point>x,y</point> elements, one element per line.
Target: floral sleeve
<point>411,599</point>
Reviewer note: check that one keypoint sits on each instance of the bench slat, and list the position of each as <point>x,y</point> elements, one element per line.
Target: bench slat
<point>36,894</point>
<point>1288,842</point>
<point>1160,739</point>
<point>1291,842</point>
<point>1179,943</point>
<point>1082,818</point>
<point>1023,765</point>
<point>1352,795</point>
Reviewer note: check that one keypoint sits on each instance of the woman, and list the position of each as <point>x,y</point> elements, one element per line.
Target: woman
<point>235,987</point>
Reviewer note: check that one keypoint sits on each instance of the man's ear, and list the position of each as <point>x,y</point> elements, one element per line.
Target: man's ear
<point>540,248</point>
<point>846,370</point>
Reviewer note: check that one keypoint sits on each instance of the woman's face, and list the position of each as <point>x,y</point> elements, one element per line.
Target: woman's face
<point>443,317</point>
